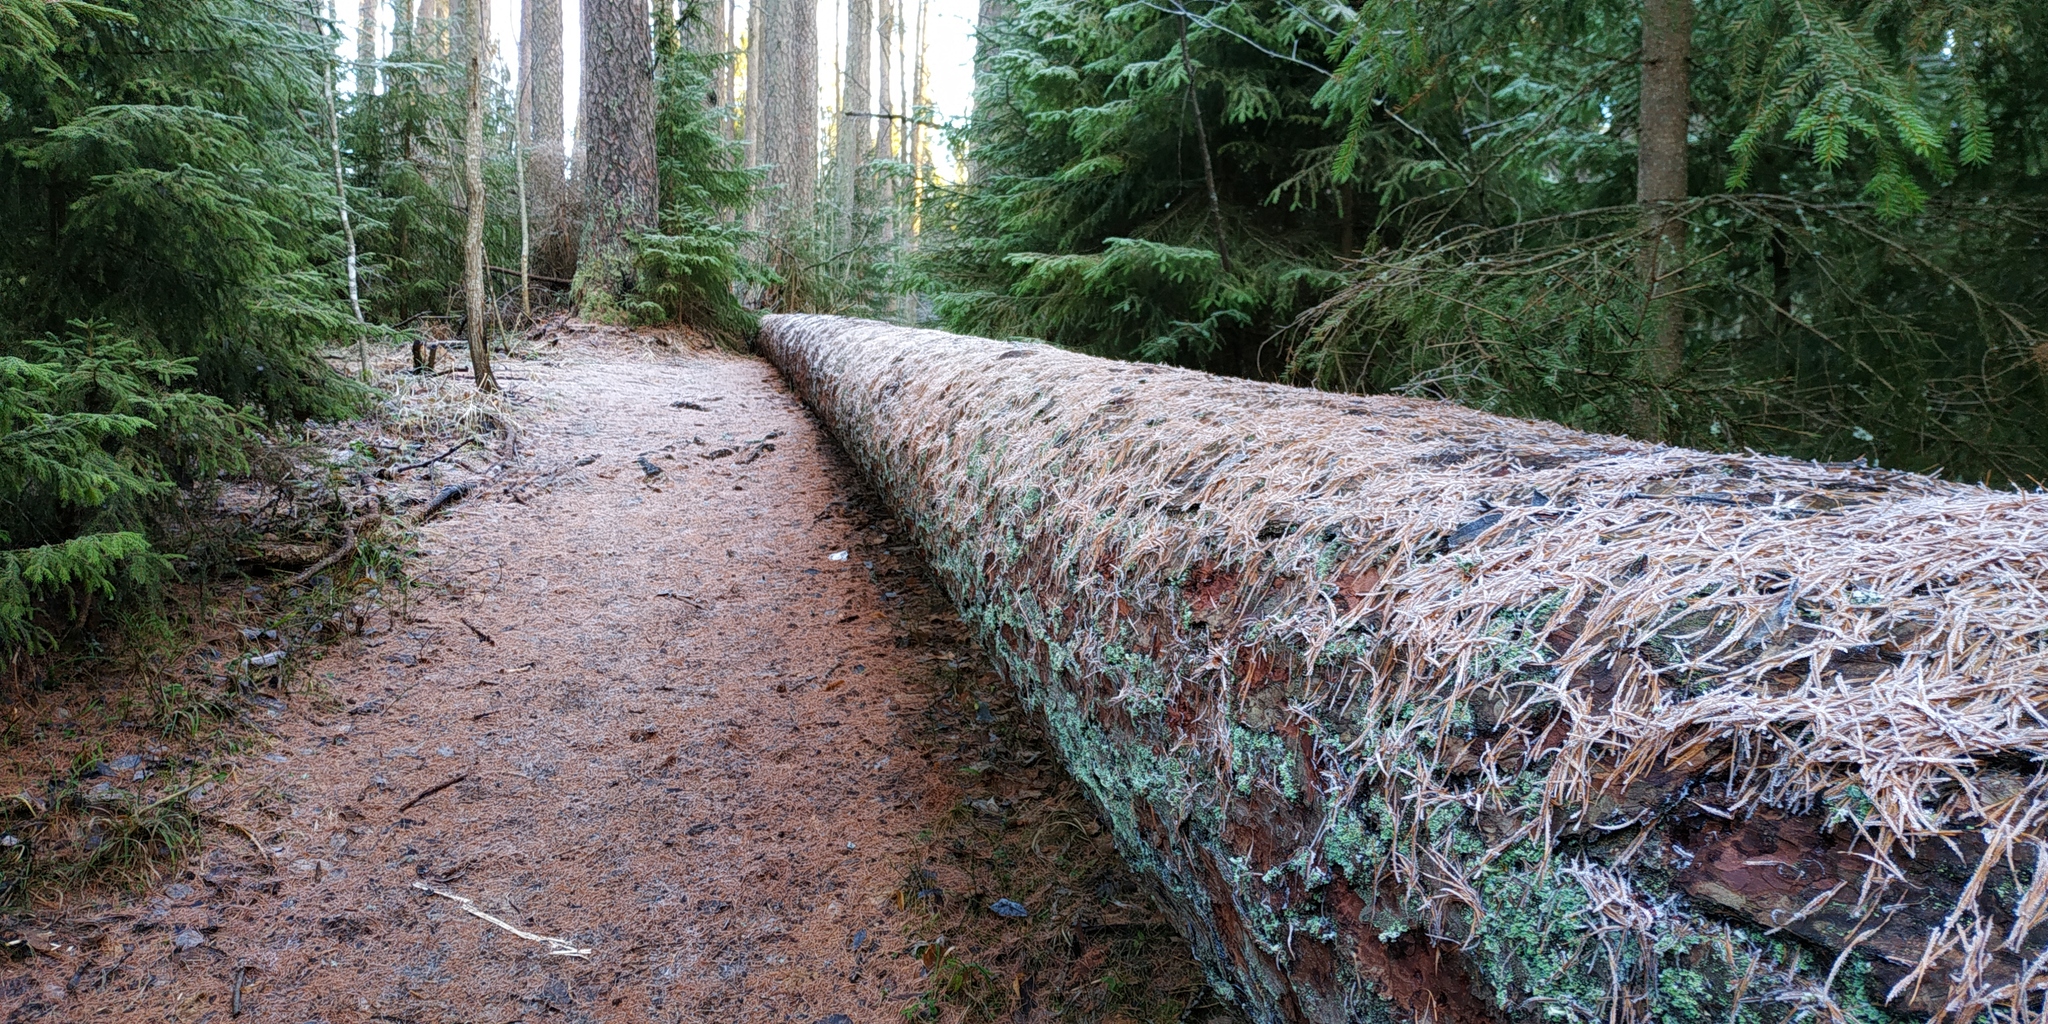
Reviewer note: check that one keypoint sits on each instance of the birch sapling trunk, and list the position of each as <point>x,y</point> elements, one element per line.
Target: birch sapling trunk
<point>473,186</point>
<point>348,231</point>
<point>521,119</point>
<point>1660,188</point>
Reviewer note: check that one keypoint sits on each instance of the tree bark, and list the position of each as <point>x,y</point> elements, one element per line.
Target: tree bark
<point>750,119</point>
<point>1368,789</point>
<point>902,85</point>
<point>885,126</point>
<point>540,33</point>
<point>1661,164</point>
<point>990,14</point>
<point>885,98</point>
<point>788,83</point>
<point>619,187</point>
<point>916,107</point>
<point>477,42</point>
<point>851,140</point>
<point>366,47</point>
<point>348,230</point>
<point>1187,65</point>
<point>432,31</point>
<point>727,69</point>
<point>989,88</point>
<point>522,117</point>
<point>700,28</point>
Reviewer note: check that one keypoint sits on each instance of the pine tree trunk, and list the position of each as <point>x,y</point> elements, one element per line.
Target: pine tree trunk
<point>990,14</point>
<point>477,41</point>
<point>903,80</point>
<point>885,98</point>
<point>1661,185</point>
<point>726,71</point>
<point>788,83</point>
<point>988,86</point>
<point>540,32</point>
<point>702,27</point>
<point>854,108</point>
<point>885,125</point>
<point>433,30</point>
<point>750,128</point>
<point>366,47</point>
<point>618,135</point>
<point>916,107</point>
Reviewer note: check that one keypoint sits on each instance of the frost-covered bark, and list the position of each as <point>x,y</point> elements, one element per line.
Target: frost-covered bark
<point>1419,713</point>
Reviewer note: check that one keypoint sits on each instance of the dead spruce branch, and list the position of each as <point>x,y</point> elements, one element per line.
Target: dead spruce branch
<point>1423,713</point>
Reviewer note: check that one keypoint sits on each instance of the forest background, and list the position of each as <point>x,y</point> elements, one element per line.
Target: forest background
<point>1813,227</point>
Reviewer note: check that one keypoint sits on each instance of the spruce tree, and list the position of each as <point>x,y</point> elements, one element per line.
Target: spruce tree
<point>171,265</point>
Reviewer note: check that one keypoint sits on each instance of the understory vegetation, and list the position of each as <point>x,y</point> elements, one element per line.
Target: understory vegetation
<point>1442,200</point>
<point>176,322</point>
<point>1807,227</point>
<point>200,202</point>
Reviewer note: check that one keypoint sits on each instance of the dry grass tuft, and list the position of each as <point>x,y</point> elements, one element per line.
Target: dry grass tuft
<point>428,407</point>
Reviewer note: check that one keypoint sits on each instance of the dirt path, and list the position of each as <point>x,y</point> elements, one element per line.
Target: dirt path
<point>657,717</point>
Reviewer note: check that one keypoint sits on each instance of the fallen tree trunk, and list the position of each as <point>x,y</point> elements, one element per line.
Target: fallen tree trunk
<point>1421,713</point>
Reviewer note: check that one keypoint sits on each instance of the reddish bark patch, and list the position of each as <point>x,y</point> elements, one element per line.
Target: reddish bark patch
<point>1426,979</point>
<point>1212,588</point>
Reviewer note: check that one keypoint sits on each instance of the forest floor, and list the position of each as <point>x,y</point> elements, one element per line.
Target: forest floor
<point>715,729</point>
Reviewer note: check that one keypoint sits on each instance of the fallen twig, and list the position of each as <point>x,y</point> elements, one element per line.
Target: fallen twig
<point>543,278</point>
<point>406,806</point>
<point>556,947</point>
<point>253,841</point>
<point>392,473</point>
<point>480,634</point>
<point>448,496</point>
<point>341,550</point>
<point>514,490</point>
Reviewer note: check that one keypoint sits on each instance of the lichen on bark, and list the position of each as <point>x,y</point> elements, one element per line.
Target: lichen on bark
<point>1417,713</point>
